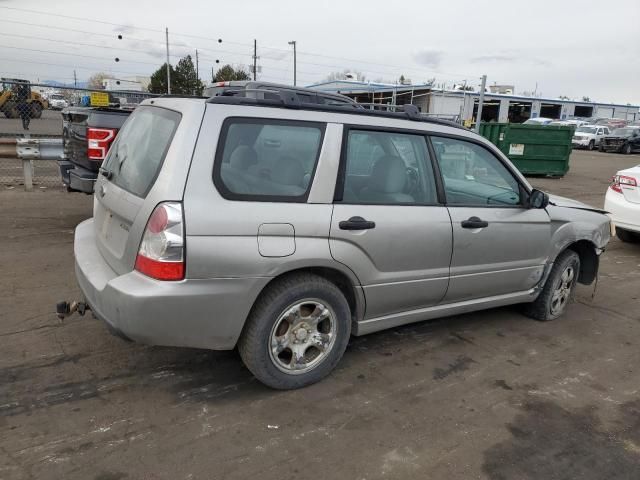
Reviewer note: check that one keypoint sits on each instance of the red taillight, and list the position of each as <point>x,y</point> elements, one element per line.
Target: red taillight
<point>98,142</point>
<point>619,181</point>
<point>161,252</point>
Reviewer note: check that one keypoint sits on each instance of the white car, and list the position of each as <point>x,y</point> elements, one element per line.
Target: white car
<point>623,204</point>
<point>57,102</point>
<point>589,136</point>
<point>539,121</point>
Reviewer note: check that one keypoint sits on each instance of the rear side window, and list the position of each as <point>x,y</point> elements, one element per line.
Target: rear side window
<point>136,156</point>
<point>388,168</point>
<point>267,160</point>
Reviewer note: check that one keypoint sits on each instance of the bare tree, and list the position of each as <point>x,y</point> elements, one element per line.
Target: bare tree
<point>347,74</point>
<point>95,80</point>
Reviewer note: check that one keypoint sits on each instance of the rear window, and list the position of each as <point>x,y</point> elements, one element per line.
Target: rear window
<point>267,160</point>
<point>136,156</point>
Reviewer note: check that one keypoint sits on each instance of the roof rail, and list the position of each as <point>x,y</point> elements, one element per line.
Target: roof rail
<point>290,99</point>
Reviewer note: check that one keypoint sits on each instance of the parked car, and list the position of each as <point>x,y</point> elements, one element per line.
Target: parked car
<point>57,102</point>
<point>87,134</point>
<point>589,136</point>
<point>568,123</point>
<point>623,140</point>
<point>622,201</point>
<point>283,227</point>
<point>538,121</point>
<point>612,123</point>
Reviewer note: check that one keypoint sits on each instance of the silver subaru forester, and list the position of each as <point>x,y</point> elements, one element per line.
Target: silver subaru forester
<point>283,227</point>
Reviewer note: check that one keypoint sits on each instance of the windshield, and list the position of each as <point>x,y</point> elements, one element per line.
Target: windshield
<point>56,97</point>
<point>623,131</point>
<point>587,130</point>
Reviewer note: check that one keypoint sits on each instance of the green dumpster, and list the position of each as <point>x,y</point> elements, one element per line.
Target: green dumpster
<point>533,149</point>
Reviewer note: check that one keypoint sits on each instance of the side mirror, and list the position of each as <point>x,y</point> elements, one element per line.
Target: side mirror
<point>538,199</point>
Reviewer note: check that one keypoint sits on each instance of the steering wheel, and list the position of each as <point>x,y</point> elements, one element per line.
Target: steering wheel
<point>413,181</point>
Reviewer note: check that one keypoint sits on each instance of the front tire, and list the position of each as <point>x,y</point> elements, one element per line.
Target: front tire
<point>558,289</point>
<point>626,149</point>
<point>627,236</point>
<point>591,145</point>
<point>297,332</point>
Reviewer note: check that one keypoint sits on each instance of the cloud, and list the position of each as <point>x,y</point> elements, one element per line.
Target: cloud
<point>428,58</point>
<point>127,29</point>
<point>276,55</point>
<point>493,58</point>
<point>507,58</point>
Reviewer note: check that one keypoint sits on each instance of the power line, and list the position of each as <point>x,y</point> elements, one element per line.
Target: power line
<point>51,14</point>
<point>71,66</point>
<point>51,52</point>
<point>395,67</point>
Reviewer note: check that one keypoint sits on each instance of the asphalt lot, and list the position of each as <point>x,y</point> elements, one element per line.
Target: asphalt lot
<point>49,124</point>
<point>490,395</point>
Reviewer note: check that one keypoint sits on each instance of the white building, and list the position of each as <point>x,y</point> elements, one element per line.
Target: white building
<point>464,105</point>
<point>131,84</point>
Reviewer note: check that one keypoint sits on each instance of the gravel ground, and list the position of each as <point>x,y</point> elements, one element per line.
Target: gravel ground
<point>489,395</point>
<point>49,124</point>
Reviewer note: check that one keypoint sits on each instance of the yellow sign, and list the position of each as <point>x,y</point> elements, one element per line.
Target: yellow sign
<point>99,99</point>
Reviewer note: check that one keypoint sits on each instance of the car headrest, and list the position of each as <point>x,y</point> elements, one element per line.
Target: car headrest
<point>243,157</point>
<point>388,175</point>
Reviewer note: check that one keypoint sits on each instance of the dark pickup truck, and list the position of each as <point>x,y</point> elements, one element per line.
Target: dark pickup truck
<point>87,134</point>
<point>622,140</point>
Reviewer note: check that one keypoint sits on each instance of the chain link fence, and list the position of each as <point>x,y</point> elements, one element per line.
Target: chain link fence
<point>32,110</point>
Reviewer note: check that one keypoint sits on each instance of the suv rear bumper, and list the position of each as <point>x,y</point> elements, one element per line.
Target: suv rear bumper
<point>207,313</point>
<point>76,177</point>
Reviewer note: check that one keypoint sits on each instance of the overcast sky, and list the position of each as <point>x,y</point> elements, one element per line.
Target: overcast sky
<point>565,47</point>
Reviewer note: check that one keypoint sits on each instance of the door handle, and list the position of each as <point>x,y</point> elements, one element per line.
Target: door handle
<point>474,222</point>
<point>356,223</point>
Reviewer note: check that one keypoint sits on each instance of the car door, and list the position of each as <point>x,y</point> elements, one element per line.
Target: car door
<point>600,133</point>
<point>634,140</point>
<point>499,246</point>
<point>387,224</point>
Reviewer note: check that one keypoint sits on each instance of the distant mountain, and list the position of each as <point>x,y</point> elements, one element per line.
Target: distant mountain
<point>55,83</point>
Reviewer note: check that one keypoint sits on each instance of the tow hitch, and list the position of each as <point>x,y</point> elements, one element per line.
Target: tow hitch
<point>65,309</point>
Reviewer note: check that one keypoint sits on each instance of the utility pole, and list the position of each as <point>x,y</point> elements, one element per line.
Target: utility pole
<point>168,65</point>
<point>483,85</point>
<point>213,76</point>
<point>75,79</point>
<point>255,59</point>
<point>197,65</point>
<point>293,42</point>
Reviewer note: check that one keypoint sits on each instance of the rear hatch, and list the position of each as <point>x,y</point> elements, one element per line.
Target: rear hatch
<point>143,168</point>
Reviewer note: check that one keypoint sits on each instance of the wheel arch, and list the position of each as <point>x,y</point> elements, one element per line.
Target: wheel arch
<point>346,282</point>
<point>589,260</point>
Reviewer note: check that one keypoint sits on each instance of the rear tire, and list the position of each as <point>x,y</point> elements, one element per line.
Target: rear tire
<point>558,290</point>
<point>296,332</point>
<point>591,145</point>
<point>36,110</point>
<point>627,236</point>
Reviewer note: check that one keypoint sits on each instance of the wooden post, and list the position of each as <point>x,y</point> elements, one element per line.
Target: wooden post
<point>27,169</point>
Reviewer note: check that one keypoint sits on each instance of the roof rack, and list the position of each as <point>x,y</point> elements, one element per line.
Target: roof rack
<point>289,99</point>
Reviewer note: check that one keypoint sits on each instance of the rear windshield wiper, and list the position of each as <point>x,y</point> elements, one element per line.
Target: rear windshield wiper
<point>106,173</point>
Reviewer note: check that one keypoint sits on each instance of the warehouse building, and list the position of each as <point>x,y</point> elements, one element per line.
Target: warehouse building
<point>498,107</point>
